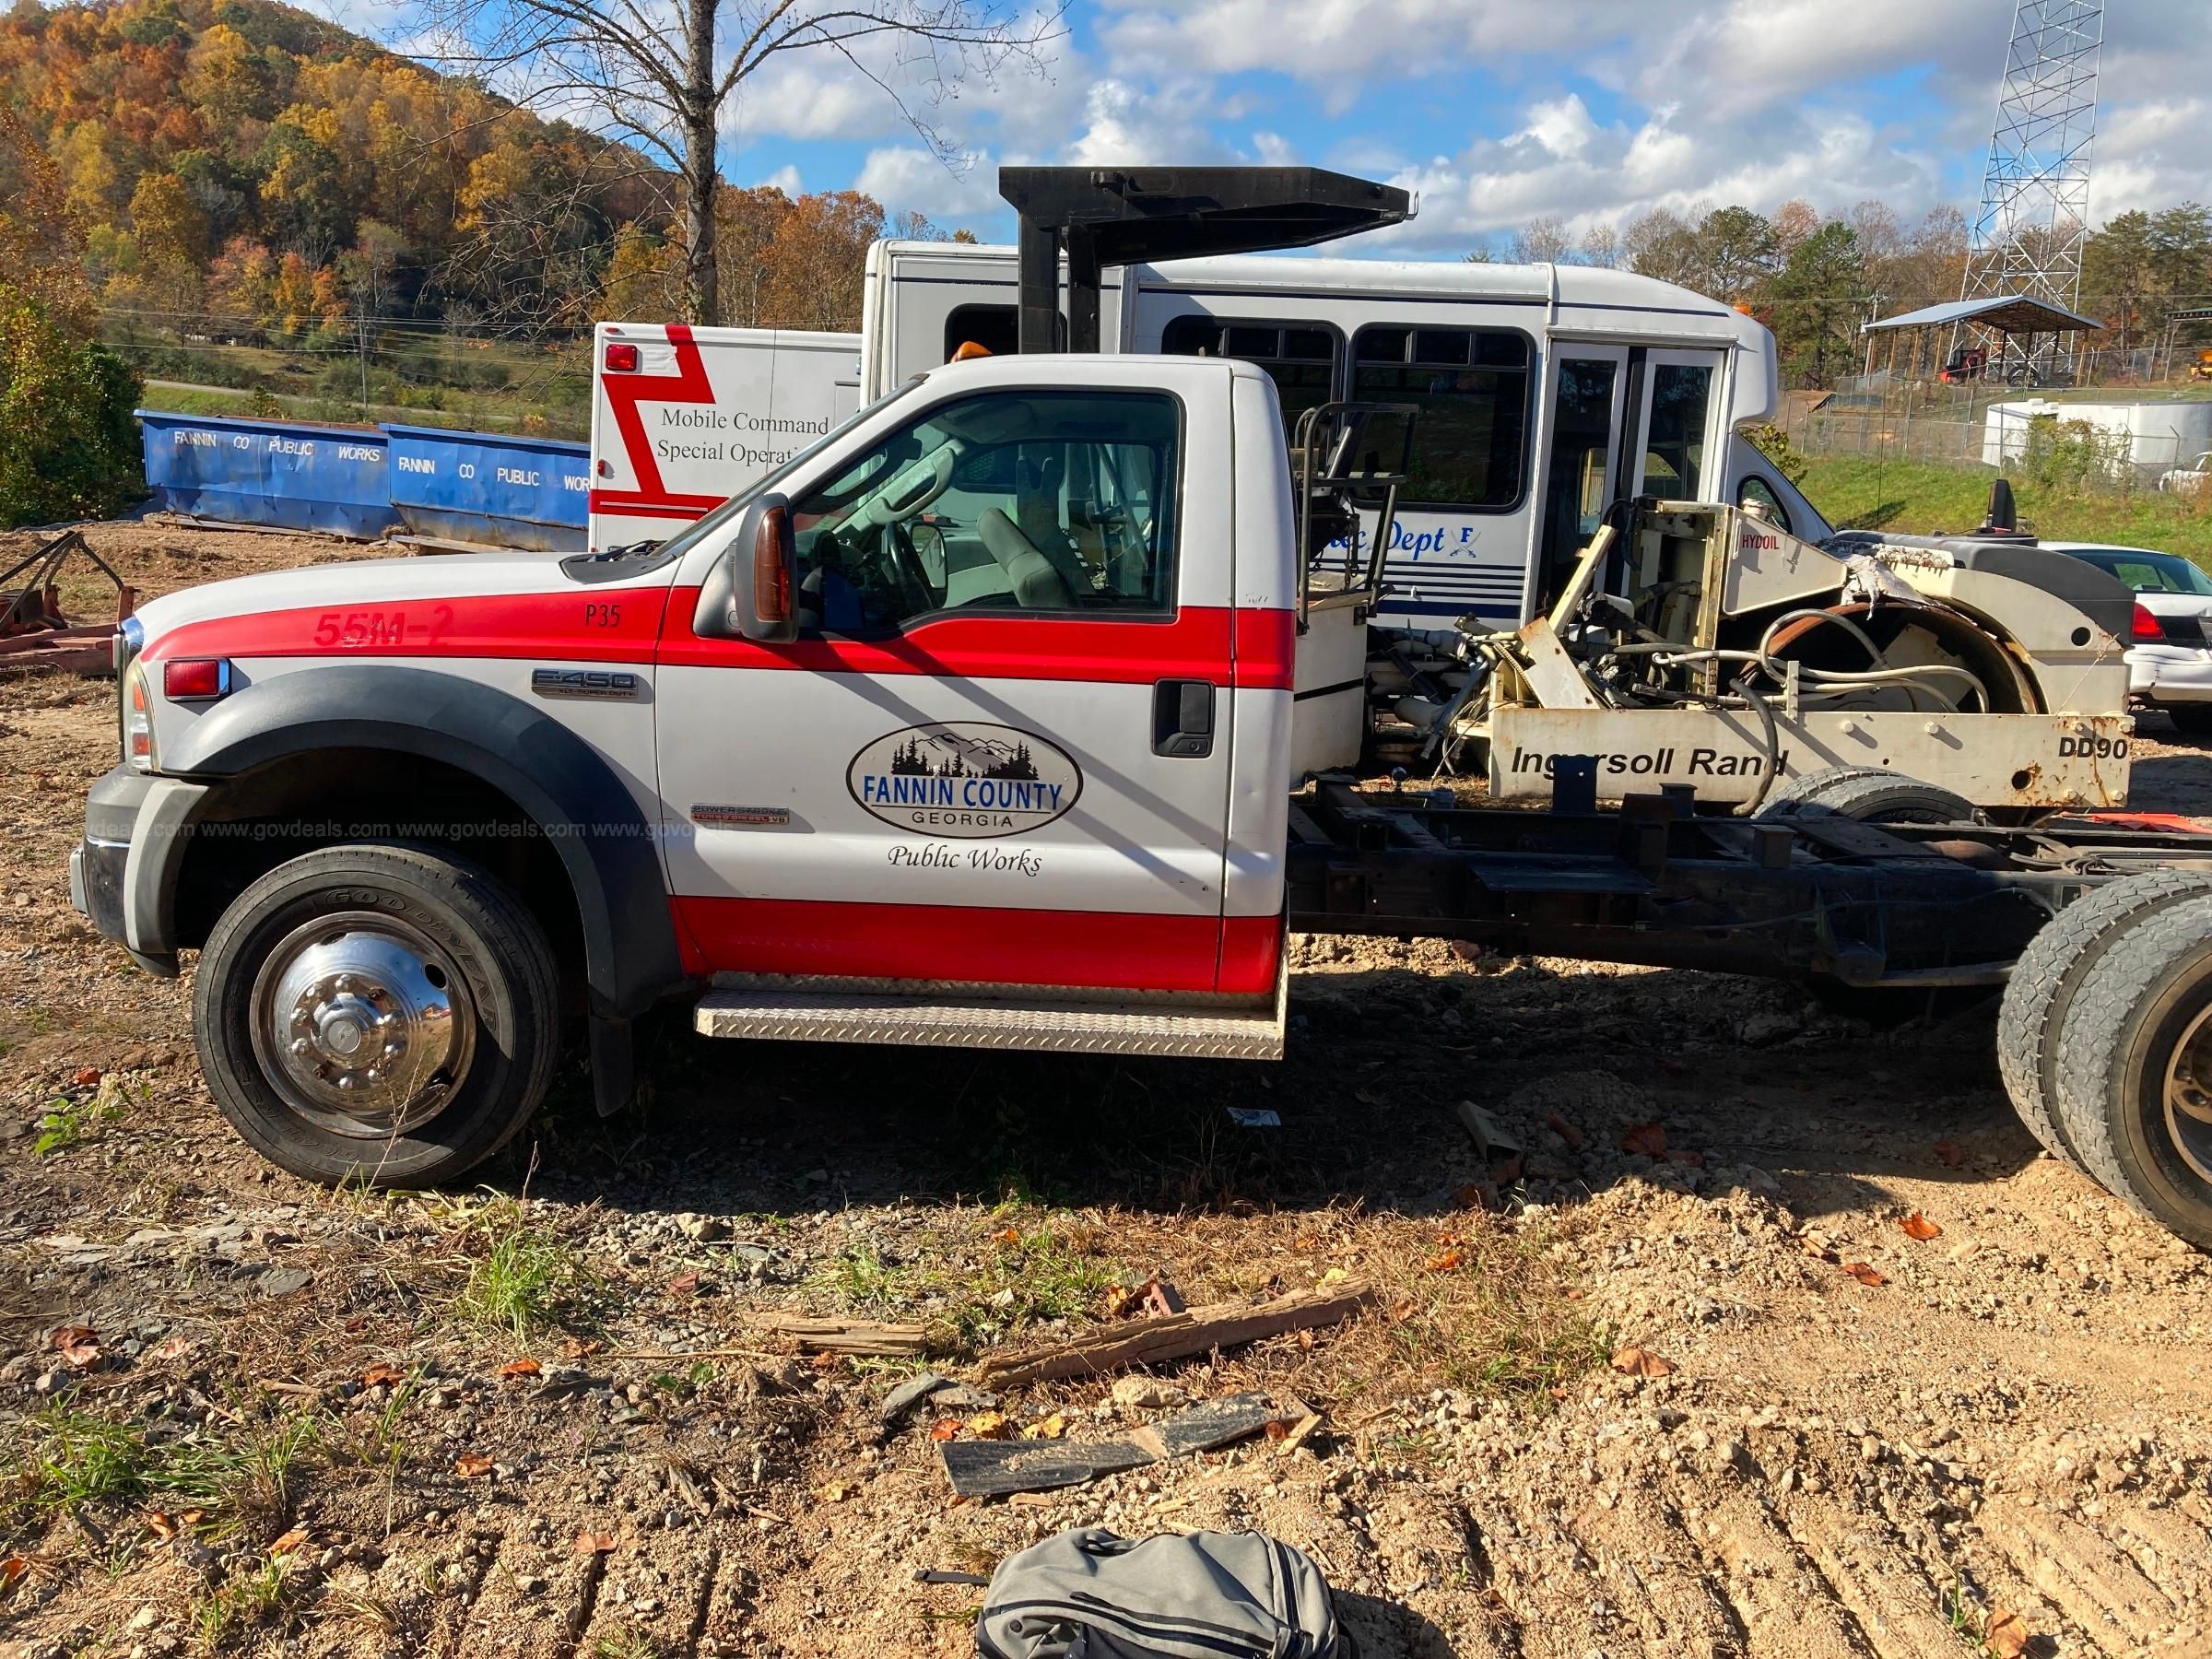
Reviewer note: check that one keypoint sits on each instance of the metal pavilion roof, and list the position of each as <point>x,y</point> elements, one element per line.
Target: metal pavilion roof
<point>2008,313</point>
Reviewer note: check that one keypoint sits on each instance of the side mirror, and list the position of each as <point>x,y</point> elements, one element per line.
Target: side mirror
<point>768,593</point>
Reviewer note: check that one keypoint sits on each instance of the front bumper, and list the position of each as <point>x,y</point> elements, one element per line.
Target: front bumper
<point>2169,673</point>
<point>122,873</point>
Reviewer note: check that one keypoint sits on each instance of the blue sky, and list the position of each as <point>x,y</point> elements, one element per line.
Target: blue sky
<point>1498,112</point>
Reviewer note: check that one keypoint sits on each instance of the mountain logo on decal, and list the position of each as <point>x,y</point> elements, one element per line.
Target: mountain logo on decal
<point>964,779</point>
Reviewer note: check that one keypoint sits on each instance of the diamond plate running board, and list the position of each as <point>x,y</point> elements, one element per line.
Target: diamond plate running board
<point>936,1019</point>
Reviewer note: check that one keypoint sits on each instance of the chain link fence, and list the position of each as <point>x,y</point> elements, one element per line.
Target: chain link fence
<point>2115,449</point>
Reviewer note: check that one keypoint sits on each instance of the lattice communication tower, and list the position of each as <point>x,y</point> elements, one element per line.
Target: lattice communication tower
<point>2035,195</point>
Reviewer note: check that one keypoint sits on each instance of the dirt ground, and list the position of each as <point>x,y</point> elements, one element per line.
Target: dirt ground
<point>239,1413</point>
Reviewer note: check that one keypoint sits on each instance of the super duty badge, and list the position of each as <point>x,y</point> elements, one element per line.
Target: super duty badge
<point>605,684</point>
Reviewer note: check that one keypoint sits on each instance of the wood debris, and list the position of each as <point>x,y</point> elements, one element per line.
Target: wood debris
<point>994,1469</point>
<point>1176,1336</point>
<point>845,1335</point>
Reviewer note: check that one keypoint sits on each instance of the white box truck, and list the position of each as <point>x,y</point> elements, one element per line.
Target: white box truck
<point>683,417</point>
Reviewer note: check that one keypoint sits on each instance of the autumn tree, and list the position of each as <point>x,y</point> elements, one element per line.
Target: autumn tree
<point>664,77</point>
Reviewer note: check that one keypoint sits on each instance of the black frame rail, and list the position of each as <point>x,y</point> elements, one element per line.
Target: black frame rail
<point>1804,895</point>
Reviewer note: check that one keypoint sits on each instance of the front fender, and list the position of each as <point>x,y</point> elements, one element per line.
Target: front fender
<point>558,780</point>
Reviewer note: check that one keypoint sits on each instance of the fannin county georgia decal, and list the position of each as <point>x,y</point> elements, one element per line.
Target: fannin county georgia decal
<point>964,779</point>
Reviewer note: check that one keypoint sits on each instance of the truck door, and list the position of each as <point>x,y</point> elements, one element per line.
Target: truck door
<point>999,751</point>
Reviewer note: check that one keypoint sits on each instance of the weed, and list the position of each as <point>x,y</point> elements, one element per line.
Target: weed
<point>250,1596</point>
<point>864,1281</point>
<point>525,1278</point>
<point>67,1122</point>
<point>78,1458</point>
<point>627,1644</point>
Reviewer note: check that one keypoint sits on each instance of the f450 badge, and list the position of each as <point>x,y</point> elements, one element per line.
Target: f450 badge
<point>617,685</point>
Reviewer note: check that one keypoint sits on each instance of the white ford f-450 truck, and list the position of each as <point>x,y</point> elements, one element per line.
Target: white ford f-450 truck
<point>977,722</point>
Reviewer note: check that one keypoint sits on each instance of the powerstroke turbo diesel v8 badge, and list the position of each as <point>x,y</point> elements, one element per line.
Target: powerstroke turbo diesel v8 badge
<point>964,778</point>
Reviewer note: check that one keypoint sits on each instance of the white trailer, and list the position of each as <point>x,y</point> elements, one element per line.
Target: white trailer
<point>683,418</point>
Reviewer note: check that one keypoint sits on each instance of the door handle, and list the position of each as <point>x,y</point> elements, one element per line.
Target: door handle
<point>1182,719</point>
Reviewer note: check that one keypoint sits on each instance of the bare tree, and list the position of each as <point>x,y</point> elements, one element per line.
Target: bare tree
<point>1601,247</point>
<point>1541,241</point>
<point>662,72</point>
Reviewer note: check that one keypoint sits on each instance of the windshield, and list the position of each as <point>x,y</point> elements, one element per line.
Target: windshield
<point>684,540</point>
<point>2149,572</point>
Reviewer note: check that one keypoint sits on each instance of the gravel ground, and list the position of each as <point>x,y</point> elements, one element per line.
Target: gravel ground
<point>1897,1384</point>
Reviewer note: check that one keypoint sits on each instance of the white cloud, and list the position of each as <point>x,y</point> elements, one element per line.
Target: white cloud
<point>1127,123</point>
<point>785,179</point>
<point>906,179</point>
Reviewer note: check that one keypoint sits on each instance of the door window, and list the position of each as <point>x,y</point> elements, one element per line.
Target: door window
<point>1028,502</point>
<point>1578,479</point>
<point>1470,440</point>
<point>1675,433</point>
<point>1300,357</point>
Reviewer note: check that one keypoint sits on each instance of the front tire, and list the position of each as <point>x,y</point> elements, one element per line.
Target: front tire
<point>2133,1069</point>
<point>377,1012</point>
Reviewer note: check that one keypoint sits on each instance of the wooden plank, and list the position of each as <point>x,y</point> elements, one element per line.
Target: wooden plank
<point>1175,1336</point>
<point>844,1336</point>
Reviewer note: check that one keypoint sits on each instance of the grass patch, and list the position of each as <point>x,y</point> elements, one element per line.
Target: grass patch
<point>246,1482</point>
<point>1856,492</point>
<point>524,1278</point>
<point>865,1282</point>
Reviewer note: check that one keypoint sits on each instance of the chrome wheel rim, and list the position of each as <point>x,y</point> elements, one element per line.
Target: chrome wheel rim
<point>362,1025</point>
<point>2189,1094</point>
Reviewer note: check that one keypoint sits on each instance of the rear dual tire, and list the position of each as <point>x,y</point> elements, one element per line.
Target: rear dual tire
<point>2105,1044</point>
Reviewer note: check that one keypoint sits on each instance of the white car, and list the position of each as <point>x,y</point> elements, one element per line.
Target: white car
<point>2170,653</point>
<point>2189,479</point>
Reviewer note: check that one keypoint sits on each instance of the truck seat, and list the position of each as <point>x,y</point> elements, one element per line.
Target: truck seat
<point>1036,583</point>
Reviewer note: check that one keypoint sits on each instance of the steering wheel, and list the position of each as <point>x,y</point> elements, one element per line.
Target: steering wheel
<point>907,564</point>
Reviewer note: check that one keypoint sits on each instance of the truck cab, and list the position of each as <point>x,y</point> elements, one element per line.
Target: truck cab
<point>975,714</point>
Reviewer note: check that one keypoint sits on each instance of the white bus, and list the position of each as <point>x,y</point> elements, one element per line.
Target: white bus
<point>1546,392</point>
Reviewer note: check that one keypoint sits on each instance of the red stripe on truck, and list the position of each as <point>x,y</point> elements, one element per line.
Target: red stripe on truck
<point>624,625</point>
<point>633,504</point>
<point>588,625</point>
<point>1196,643</point>
<point>1096,950</point>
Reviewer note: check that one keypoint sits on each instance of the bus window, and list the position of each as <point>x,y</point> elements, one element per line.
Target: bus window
<point>1759,495</point>
<point>1470,442</point>
<point>1300,357</point>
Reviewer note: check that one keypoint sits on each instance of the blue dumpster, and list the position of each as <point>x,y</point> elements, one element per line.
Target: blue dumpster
<point>289,473</point>
<point>488,490</point>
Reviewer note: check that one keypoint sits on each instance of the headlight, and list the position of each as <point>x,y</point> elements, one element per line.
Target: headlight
<point>137,720</point>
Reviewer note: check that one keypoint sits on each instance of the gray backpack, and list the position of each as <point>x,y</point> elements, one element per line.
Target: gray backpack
<point>1086,1593</point>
